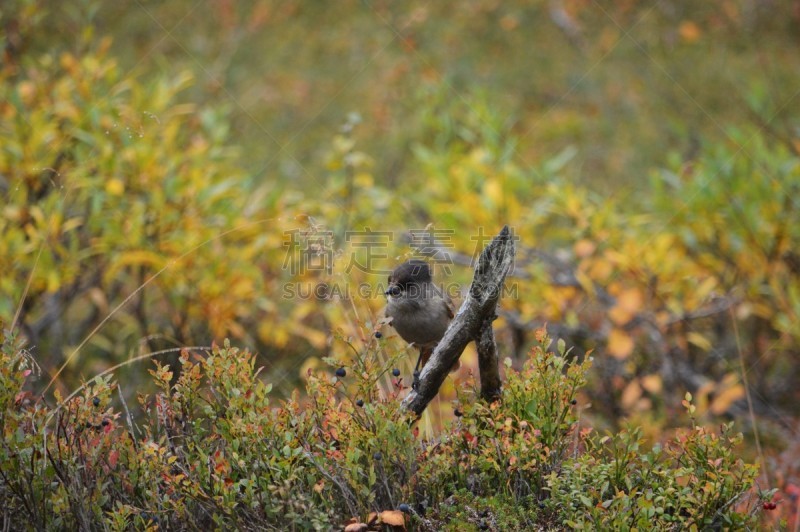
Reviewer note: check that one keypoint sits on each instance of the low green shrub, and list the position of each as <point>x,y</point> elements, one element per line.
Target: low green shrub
<point>214,450</point>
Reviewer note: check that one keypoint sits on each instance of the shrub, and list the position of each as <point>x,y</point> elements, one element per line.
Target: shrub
<point>213,450</point>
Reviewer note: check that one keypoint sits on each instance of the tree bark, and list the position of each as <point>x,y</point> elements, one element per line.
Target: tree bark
<point>491,386</point>
<point>473,322</point>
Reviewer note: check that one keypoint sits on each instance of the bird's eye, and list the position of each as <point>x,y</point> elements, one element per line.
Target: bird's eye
<point>394,290</point>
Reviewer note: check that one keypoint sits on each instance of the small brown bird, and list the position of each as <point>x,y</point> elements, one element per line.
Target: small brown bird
<point>418,310</point>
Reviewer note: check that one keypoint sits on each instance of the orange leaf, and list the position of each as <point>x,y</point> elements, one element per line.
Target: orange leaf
<point>393,518</point>
<point>620,344</point>
<point>631,394</point>
<point>584,248</point>
<point>689,31</point>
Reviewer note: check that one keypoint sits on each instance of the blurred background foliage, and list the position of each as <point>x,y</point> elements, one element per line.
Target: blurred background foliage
<point>174,173</point>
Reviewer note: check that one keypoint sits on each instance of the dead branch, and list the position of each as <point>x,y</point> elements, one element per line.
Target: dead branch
<point>472,323</point>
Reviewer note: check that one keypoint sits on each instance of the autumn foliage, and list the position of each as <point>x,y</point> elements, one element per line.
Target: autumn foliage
<point>172,176</point>
<point>214,449</point>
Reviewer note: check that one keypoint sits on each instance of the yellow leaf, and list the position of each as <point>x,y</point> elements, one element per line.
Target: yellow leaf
<point>135,258</point>
<point>363,180</point>
<point>115,187</point>
<point>705,288</point>
<point>585,281</point>
<point>53,281</point>
<point>699,340</point>
<point>494,191</point>
<point>652,383</point>
<point>620,344</point>
<point>726,398</point>
<point>71,224</point>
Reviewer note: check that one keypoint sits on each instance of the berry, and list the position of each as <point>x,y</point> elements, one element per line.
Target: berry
<point>360,403</point>
<point>406,509</point>
<point>341,372</point>
<point>396,372</point>
<point>96,401</point>
<point>378,334</point>
<point>458,413</point>
<point>105,422</point>
<point>377,456</point>
<point>573,402</point>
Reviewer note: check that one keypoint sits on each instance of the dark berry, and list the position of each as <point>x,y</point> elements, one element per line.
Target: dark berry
<point>96,401</point>
<point>378,334</point>
<point>88,425</point>
<point>377,456</point>
<point>360,403</point>
<point>458,413</point>
<point>341,372</point>
<point>573,402</point>
<point>542,506</point>
<point>396,372</point>
<point>406,509</point>
<point>105,422</point>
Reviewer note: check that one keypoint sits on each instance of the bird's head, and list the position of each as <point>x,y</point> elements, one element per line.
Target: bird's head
<point>408,279</point>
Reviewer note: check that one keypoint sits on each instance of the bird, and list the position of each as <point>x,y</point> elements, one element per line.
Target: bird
<point>418,310</point>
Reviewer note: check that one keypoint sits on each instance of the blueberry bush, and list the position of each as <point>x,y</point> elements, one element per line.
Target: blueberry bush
<point>213,449</point>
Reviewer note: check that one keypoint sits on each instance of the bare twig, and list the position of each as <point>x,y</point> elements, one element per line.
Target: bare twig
<point>128,416</point>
